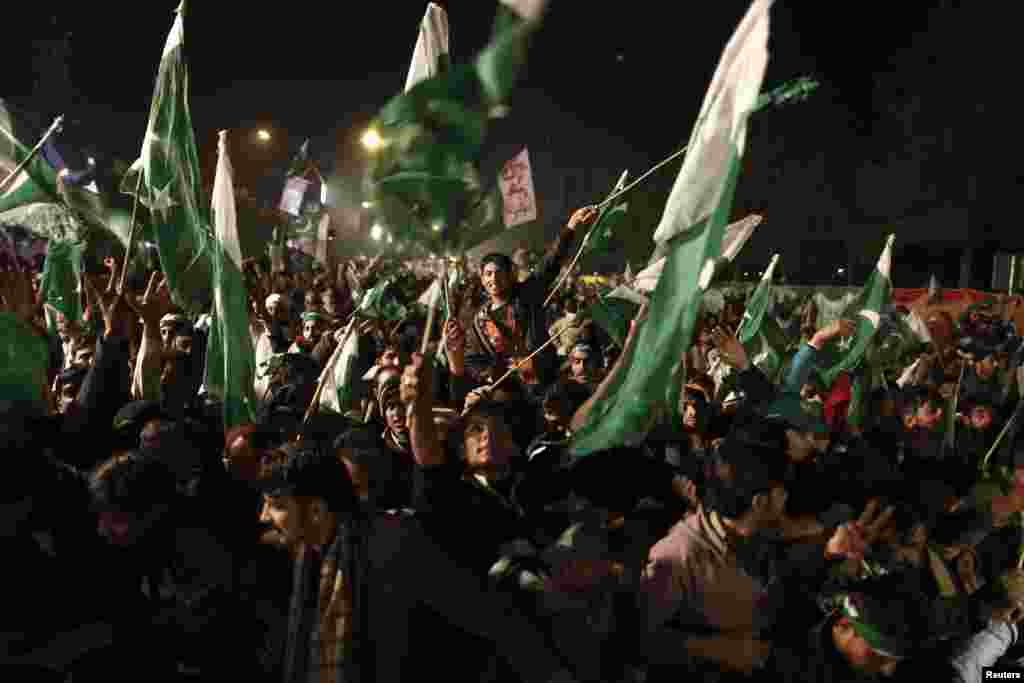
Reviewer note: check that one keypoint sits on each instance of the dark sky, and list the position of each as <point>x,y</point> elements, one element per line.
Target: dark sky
<point>637,70</point>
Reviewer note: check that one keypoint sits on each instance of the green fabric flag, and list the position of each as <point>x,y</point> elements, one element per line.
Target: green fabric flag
<point>230,356</point>
<point>37,182</point>
<point>376,303</point>
<point>876,294</point>
<point>168,170</point>
<point>338,395</point>
<point>694,221</point>
<point>613,315</point>
<point>24,361</point>
<point>758,305</point>
<point>598,238</point>
<point>59,285</point>
<point>422,175</point>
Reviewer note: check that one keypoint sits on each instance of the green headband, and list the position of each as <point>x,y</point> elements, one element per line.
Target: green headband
<point>874,637</point>
<point>312,315</point>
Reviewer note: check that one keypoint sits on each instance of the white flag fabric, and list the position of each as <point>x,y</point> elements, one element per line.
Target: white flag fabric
<point>527,9</point>
<point>339,383</point>
<point>431,46</point>
<point>516,182</point>
<point>294,192</point>
<point>736,235</point>
<point>323,242</point>
<point>230,359</point>
<point>719,137</point>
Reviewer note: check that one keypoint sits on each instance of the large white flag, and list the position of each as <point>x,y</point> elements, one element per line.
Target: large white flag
<point>720,134</point>
<point>736,235</point>
<point>230,359</point>
<point>518,199</point>
<point>431,47</point>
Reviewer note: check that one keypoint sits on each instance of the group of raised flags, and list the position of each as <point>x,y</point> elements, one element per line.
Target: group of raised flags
<point>200,252</point>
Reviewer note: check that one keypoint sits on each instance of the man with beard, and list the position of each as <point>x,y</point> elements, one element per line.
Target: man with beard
<point>722,569</point>
<point>511,323</point>
<point>356,600</point>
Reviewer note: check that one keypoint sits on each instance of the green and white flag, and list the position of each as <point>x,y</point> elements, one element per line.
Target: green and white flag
<point>692,226</point>
<point>338,394</point>
<point>167,175</point>
<point>423,176</point>
<point>598,239</point>
<point>736,235</point>
<point>876,294</point>
<point>757,306</point>
<point>430,56</point>
<point>230,357</point>
<point>37,182</point>
<point>760,351</point>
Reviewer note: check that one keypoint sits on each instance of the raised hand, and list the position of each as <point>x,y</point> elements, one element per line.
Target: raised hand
<point>156,300</point>
<point>729,348</point>
<point>852,540</point>
<point>415,385</point>
<point>117,316</point>
<point>583,216</point>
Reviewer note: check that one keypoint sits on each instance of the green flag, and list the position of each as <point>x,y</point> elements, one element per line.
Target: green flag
<point>24,361</point>
<point>876,294</point>
<point>167,175</point>
<point>59,287</point>
<point>598,238</point>
<point>422,174</point>
<point>37,182</point>
<point>758,305</point>
<point>613,315</point>
<point>693,224</point>
<point>230,356</point>
<point>339,385</point>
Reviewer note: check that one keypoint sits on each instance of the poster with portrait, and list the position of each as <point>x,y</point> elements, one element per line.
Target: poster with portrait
<point>517,195</point>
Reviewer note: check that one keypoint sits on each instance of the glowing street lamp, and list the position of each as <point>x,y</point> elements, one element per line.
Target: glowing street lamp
<point>372,140</point>
<point>376,232</point>
<point>437,227</point>
<point>263,135</point>
<point>390,239</point>
<point>367,205</point>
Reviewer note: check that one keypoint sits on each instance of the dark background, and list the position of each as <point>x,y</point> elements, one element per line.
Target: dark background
<point>908,133</point>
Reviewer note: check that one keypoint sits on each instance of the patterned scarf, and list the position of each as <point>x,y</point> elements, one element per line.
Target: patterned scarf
<point>323,617</point>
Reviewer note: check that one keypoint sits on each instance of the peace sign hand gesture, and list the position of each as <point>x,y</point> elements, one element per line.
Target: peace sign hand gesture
<point>852,540</point>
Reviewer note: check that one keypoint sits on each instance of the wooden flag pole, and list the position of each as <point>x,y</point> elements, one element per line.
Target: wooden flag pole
<point>55,127</point>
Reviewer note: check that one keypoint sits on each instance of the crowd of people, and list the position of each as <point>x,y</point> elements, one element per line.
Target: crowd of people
<point>438,524</point>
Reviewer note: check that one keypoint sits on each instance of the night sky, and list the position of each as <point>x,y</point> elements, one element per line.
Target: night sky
<point>636,71</point>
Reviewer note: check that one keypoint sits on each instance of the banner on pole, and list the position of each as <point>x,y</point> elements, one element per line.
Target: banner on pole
<point>294,192</point>
<point>517,195</point>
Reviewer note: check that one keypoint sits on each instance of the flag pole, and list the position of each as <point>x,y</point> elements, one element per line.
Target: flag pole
<point>55,127</point>
<point>583,246</point>
<point>526,360</point>
<point>328,369</point>
<point>131,235</point>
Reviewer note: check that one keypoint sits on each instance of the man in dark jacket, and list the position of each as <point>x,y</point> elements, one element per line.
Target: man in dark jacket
<point>511,323</point>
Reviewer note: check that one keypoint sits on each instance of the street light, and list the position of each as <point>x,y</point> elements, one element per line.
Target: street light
<point>437,227</point>
<point>372,140</point>
<point>390,239</point>
<point>376,232</point>
<point>263,135</point>
<point>367,205</point>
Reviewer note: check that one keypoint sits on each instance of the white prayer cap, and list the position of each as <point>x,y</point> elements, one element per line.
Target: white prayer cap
<point>273,299</point>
